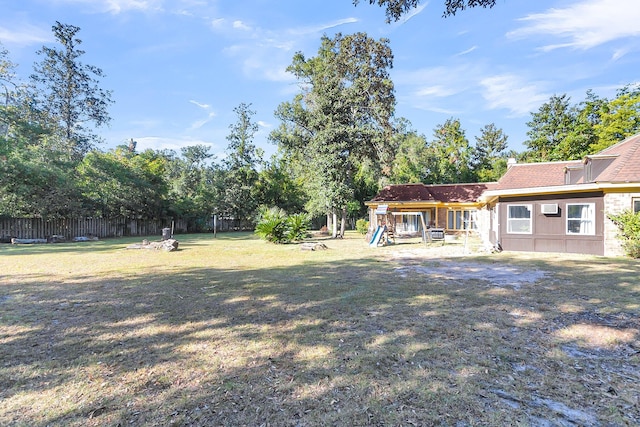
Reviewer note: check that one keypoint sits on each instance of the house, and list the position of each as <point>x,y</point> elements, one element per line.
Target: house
<point>536,207</point>
<point>563,206</point>
<point>410,208</point>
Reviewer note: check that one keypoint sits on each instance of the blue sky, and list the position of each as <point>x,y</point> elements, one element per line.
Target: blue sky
<point>178,68</point>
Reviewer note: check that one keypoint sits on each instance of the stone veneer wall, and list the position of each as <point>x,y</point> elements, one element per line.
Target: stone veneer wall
<point>615,203</point>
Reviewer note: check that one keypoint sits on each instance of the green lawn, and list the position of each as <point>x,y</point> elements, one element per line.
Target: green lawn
<point>235,331</point>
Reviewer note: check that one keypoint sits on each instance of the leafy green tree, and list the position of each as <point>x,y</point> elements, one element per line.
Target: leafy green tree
<point>277,186</point>
<point>548,128</point>
<point>7,77</point>
<point>17,128</point>
<point>120,184</point>
<point>196,187</point>
<point>581,135</point>
<point>449,155</point>
<point>561,131</point>
<point>396,8</point>
<point>342,117</point>
<point>366,185</point>
<point>69,91</point>
<point>241,164</point>
<point>488,159</point>
<point>412,159</point>
<point>37,185</point>
<point>619,118</point>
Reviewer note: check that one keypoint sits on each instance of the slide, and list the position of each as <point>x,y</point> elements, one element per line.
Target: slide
<point>376,236</point>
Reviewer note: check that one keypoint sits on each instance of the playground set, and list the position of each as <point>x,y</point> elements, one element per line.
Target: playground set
<point>384,234</point>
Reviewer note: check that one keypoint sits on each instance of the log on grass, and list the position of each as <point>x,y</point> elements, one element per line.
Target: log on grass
<point>16,241</point>
<point>165,245</point>
<point>312,246</point>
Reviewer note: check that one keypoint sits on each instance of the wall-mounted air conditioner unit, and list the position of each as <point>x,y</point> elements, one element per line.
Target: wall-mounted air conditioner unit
<point>549,208</point>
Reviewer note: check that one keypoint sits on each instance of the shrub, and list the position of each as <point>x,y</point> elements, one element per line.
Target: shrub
<point>628,224</point>
<point>275,226</point>
<point>271,225</point>
<point>298,227</point>
<point>362,226</point>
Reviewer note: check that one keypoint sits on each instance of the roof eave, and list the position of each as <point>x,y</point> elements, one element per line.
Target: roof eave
<point>492,195</point>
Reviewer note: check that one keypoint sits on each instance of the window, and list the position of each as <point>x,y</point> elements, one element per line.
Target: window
<point>581,218</point>
<point>407,223</point>
<point>636,205</point>
<point>519,219</point>
<point>461,220</point>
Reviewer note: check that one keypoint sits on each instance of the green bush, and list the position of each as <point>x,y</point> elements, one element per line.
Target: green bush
<point>275,226</point>
<point>362,226</point>
<point>298,227</point>
<point>628,224</point>
<point>272,225</point>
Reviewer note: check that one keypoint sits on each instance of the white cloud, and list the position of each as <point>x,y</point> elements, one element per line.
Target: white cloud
<point>439,91</point>
<point>414,12</point>
<point>201,105</point>
<point>440,81</point>
<point>265,53</point>
<point>583,25</point>
<point>511,92</point>
<point>201,122</point>
<point>320,28</point>
<point>264,124</point>
<point>465,52</point>
<point>239,25</point>
<point>166,143</point>
<point>218,23</point>
<point>24,35</point>
<point>118,6</point>
<point>452,89</point>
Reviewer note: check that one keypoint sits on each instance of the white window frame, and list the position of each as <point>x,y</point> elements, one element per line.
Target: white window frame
<point>407,224</point>
<point>511,221</point>
<point>587,225</point>
<point>459,219</point>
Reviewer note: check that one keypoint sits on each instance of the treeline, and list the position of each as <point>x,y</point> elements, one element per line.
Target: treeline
<point>338,142</point>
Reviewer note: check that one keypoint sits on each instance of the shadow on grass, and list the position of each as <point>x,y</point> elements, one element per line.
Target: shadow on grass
<point>340,343</point>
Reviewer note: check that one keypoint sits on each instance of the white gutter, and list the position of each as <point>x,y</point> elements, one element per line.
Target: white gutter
<point>491,195</point>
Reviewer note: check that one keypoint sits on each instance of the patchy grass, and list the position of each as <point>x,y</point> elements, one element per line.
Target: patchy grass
<point>235,331</point>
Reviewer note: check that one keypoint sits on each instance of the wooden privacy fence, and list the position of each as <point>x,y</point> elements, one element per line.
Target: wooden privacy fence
<point>38,228</point>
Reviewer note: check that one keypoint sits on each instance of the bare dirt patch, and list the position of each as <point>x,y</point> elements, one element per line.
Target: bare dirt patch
<point>451,263</point>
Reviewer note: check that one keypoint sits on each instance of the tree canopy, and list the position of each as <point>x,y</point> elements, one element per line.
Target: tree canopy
<point>69,91</point>
<point>395,9</point>
<point>560,130</point>
<point>342,116</point>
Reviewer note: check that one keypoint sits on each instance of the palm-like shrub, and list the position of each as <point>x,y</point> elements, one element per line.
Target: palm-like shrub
<point>298,227</point>
<point>275,226</point>
<point>272,225</point>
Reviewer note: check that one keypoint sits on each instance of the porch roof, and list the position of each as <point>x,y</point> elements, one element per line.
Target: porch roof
<point>430,195</point>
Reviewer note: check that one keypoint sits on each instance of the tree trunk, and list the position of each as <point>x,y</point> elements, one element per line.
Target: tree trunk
<point>334,225</point>
<point>343,223</point>
<point>329,222</point>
